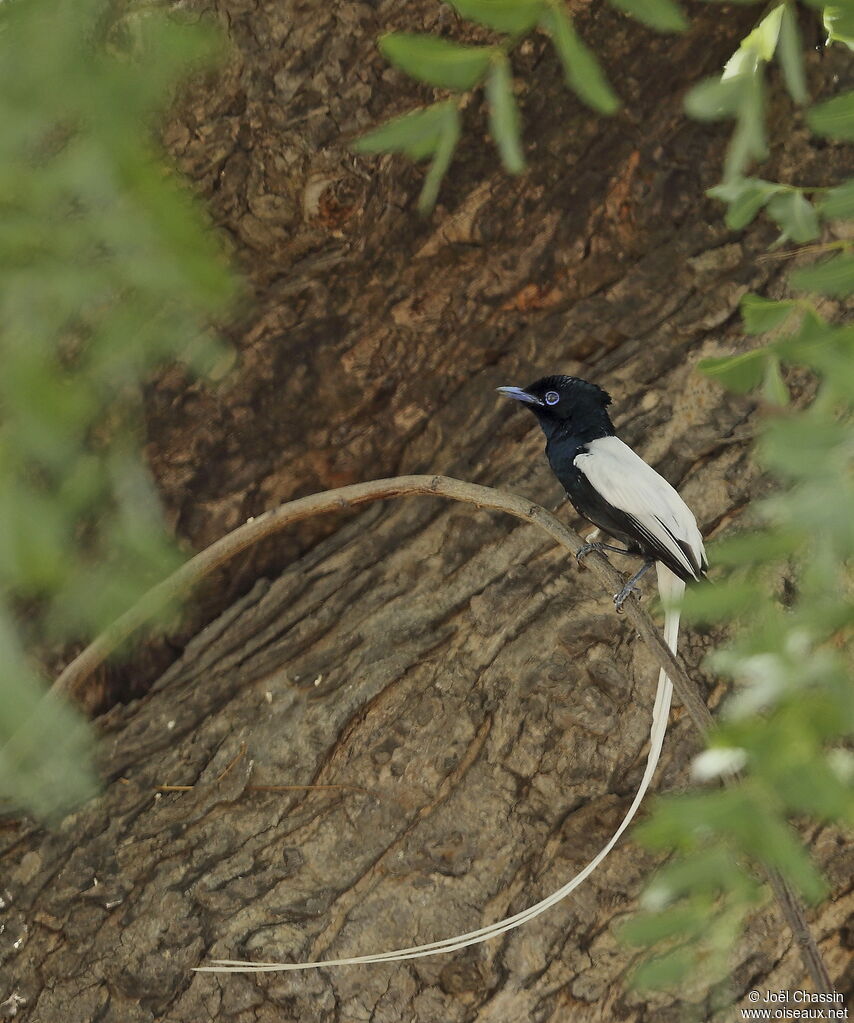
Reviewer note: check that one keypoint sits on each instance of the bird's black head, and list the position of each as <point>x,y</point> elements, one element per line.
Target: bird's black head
<point>566,404</point>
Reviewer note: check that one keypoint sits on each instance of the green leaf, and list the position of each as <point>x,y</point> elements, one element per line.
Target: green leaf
<point>46,762</point>
<point>748,139</point>
<point>838,203</point>
<point>707,871</point>
<point>774,388</point>
<point>839,23</point>
<point>790,55</point>
<point>762,314</point>
<point>738,93</point>
<point>774,843</point>
<point>742,64</point>
<point>504,116</point>
<point>512,16</point>
<point>835,118</point>
<point>581,69</point>
<point>684,818</point>
<point>754,547</point>
<point>714,98</point>
<point>762,41</point>
<point>417,134</point>
<point>810,787</point>
<point>678,921</point>
<point>664,971</point>
<point>833,361</point>
<point>832,277</point>
<point>746,197</point>
<point>797,448</point>
<point>814,332</point>
<point>663,15</point>
<point>448,138</point>
<point>721,602</point>
<point>739,373</point>
<point>795,215</point>
<point>437,61</point>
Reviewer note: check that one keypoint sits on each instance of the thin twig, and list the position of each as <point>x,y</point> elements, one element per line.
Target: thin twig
<point>309,788</point>
<point>793,910</point>
<point>272,788</point>
<point>237,756</point>
<point>71,680</point>
<point>802,250</point>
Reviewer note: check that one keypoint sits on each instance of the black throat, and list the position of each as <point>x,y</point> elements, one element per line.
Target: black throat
<point>566,438</point>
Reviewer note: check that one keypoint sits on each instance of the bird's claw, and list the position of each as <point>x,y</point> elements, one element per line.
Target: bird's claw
<point>587,549</point>
<point>624,594</point>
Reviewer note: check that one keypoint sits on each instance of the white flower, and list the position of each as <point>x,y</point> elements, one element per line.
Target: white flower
<point>718,760</point>
<point>657,897</point>
<point>841,762</point>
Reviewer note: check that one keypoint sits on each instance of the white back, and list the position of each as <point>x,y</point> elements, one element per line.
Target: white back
<point>625,481</point>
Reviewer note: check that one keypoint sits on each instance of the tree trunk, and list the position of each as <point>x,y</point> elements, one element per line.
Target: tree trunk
<point>482,711</point>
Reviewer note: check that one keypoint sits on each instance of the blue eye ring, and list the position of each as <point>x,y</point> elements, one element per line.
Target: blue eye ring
<point>551,397</point>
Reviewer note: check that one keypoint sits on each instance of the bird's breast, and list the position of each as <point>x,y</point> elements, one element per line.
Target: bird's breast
<point>561,454</point>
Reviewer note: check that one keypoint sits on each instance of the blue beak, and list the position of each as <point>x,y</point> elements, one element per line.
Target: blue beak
<point>519,395</point>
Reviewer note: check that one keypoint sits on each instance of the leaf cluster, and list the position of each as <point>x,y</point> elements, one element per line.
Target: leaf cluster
<point>786,584</point>
<point>108,270</point>
<point>739,93</point>
<point>433,132</point>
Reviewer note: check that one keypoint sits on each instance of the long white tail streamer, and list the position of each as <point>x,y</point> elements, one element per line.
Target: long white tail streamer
<point>670,587</point>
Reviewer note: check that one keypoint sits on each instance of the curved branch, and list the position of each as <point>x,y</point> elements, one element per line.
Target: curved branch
<point>180,582</point>
<point>202,564</point>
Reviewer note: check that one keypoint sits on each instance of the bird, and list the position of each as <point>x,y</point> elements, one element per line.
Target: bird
<point>611,486</point>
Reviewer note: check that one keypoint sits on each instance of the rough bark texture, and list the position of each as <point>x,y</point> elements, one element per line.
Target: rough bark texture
<point>447,661</point>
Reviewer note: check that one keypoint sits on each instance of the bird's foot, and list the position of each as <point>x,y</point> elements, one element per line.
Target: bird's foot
<point>587,548</point>
<point>631,586</point>
<point>624,594</point>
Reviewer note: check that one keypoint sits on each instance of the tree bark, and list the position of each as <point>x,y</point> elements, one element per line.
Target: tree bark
<point>487,710</point>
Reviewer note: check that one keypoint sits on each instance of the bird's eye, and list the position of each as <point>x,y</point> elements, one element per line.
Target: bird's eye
<point>552,397</point>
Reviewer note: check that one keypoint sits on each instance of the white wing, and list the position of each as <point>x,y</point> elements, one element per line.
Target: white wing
<point>625,481</point>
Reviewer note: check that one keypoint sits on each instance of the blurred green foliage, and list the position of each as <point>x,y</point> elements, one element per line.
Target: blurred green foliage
<point>787,587</point>
<point>108,270</point>
<point>459,69</point>
<point>739,92</point>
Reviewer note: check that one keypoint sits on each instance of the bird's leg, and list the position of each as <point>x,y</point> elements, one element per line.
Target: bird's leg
<point>588,547</point>
<point>594,544</point>
<point>621,597</point>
